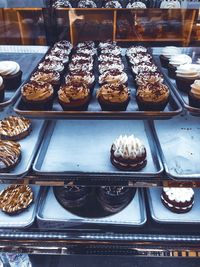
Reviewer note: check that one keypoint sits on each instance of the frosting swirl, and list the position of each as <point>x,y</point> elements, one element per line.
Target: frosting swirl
<point>107,57</point>
<point>51,64</point>
<point>36,91</point>
<point>111,51</point>
<point>66,45</point>
<point>170,51</point>
<point>88,66</point>
<point>180,60</point>
<point>135,50</point>
<point>188,71</point>
<point>85,77</point>
<point>128,147</point>
<point>113,4</point>
<point>136,5</point>
<point>195,89</point>
<point>149,77</point>
<point>46,76</point>
<point>113,76</point>
<point>139,58</point>
<point>9,68</point>
<point>10,152</point>
<point>155,92</point>
<point>61,3</point>
<point>87,4</point>
<point>89,44</point>
<point>106,44</point>
<point>105,66</point>
<point>144,67</point>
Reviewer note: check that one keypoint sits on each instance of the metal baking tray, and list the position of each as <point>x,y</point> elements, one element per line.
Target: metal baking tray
<point>27,58</point>
<point>182,96</point>
<point>81,148</point>
<point>29,147</point>
<point>161,214</point>
<point>94,110</point>
<point>178,141</point>
<point>23,219</point>
<point>132,215</point>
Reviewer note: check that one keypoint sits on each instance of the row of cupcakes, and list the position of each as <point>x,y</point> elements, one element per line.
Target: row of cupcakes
<point>152,94</point>
<point>184,71</point>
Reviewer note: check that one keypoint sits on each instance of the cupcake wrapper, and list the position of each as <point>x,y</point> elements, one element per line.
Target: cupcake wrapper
<point>184,84</point>
<point>113,106</point>
<point>45,105</point>
<point>151,106</point>
<point>12,82</point>
<point>194,102</point>
<point>2,95</point>
<point>172,72</point>
<point>66,107</point>
<point>164,61</point>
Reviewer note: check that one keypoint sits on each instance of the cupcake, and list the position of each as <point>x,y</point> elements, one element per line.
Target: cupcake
<point>136,4</point>
<point>170,4</point>
<point>109,57</point>
<point>74,96</point>
<point>114,199</point>
<point>134,50</point>
<point>78,67</point>
<point>113,76</point>
<point>63,45</point>
<point>186,75</point>
<point>148,77</point>
<point>81,77</point>
<point>113,96</point>
<point>176,61</point>
<point>11,74</point>
<point>166,53</point>
<point>87,4</point>
<point>37,95</point>
<point>143,67</point>
<point>108,65</point>
<point>152,96</point>
<point>81,59</point>
<point>16,198</point>
<point>89,44</point>
<point>14,128</point>
<point>128,153</point>
<point>51,65</point>
<point>111,50</point>
<point>106,44</point>
<point>72,196</point>
<point>10,155</point>
<point>178,200</point>
<point>194,94</point>
<point>113,4</point>
<point>137,59</point>
<point>61,3</point>
<point>52,77</point>
<point>2,90</point>
<point>58,54</point>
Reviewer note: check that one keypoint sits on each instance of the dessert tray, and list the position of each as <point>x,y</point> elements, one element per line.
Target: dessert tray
<point>161,214</point>
<point>173,108</point>
<point>81,148</point>
<point>134,214</point>
<point>23,219</point>
<point>27,58</point>
<point>179,150</point>
<point>182,96</point>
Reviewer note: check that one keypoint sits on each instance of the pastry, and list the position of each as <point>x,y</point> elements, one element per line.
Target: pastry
<point>63,45</point>
<point>137,59</point>
<point>148,77</point>
<point>143,67</point>
<point>51,65</point>
<point>16,198</point>
<point>81,76</point>
<point>178,200</point>
<point>72,196</point>
<point>114,199</point>
<point>194,94</point>
<point>113,4</point>
<point>58,54</point>
<point>2,90</point>
<point>106,44</point>
<point>111,50</point>
<point>152,96</point>
<point>137,4</point>
<point>113,76</point>
<point>166,53</point>
<point>89,44</point>
<point>134,50</point>
<point>108,65</point>
<point>113,96</point>
<point>10,155</point>
<point>74,96</point>
<point>87,4</point>
<point>37,95</point>
<point>61,3</point>
<point>11,74</point>
<point>176,61</point>
<point>128,153</point>
<point>14,128</point>
<point>168,4</point>
<point>186,75</point>
<point>77,67</point>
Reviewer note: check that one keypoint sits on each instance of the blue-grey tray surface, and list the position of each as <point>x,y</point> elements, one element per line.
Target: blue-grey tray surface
<point>133,215</point>
<point>82,147</point>
<point>161,214</point>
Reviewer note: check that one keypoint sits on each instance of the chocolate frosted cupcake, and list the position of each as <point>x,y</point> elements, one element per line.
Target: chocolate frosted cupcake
<point>51,65</point>
<point>152,96</point>
<point>113,96</point>
<point>10,155</point>
<point>194,94</point>
<point>74,96</point>
<point>52,77</point>
<point>186,75</point>
<point>2,90</point>
<point>14,128</point>
<point>113,76</point>
<point>87,4</point>
<point>114,199</point>
<point>11,74</point>
<point>128,153</point>
<point>72,196</point>
<point>15,199</point>
<point>166,53</point>
<point>178,200</point>
<point>176,61</point>
<point>81,77</point>
<point>37,95</point>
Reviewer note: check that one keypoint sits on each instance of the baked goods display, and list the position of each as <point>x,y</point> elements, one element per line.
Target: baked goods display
<point>14,128</point>
<point>194,94</point>
<point>128,153</point>
<point>15,199</point>
<point>178,200</point>
<point>10,155</point>
<point>11,74</point>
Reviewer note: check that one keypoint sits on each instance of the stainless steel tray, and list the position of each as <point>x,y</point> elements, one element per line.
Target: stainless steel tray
<point>133,215</point>
<point>29,147</point>
<point>82,148</point>
<point>161,214</point>
<point>94,110</point>
<point>27,60</point>
<point>178,141</point>
<point>24,219</point>
<point>182,96</point>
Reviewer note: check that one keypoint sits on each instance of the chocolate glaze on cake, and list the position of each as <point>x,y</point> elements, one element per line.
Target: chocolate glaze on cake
<point>10,154</point>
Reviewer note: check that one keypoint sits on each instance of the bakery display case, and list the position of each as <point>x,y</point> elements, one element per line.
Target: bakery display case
<point>97,189</point>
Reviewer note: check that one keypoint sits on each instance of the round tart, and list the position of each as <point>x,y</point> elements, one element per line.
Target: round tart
<point>14,128</point>
<point>178,200</point>
<point>128,153</point>
<point>10,155</point>
<point>15,199</point>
